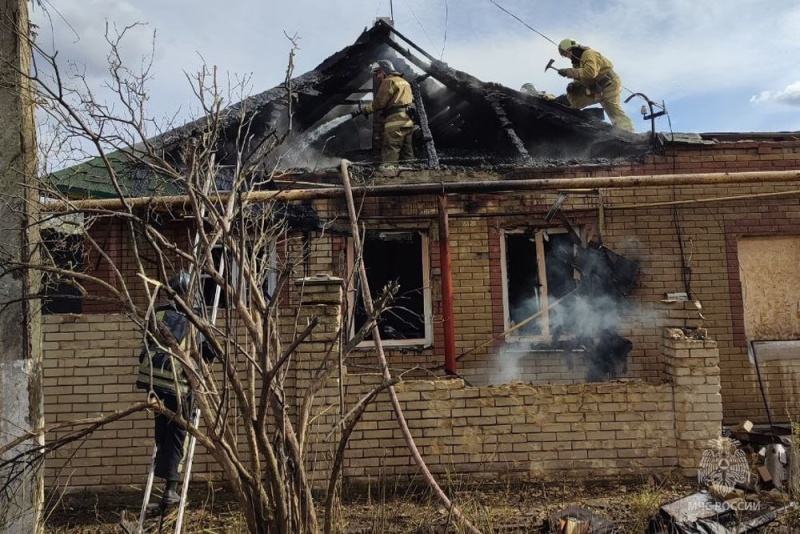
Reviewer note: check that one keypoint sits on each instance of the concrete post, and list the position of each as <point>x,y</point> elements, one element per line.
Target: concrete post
<point>692,365</point>
<point>21,399</point>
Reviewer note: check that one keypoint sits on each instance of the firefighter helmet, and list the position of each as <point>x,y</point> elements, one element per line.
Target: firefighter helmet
<point>179,283</point>
<point>383,65</point>
<point>566,44</point>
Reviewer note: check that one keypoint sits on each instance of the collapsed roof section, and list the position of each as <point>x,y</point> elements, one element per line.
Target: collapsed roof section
<point>305,124</point>
<point>470,122</point>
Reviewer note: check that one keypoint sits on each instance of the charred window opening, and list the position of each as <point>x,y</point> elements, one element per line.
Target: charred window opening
<point>538,269</point>
<point>63,251</point>
<point>229,274</point>
<point>400,257</point>
<point>263,261</point>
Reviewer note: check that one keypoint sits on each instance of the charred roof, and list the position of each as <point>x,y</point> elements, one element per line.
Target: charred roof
<point>472,123</point>
<point>476,129</point>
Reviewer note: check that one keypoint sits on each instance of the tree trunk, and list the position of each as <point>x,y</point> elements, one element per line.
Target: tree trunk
<point>21,400</point>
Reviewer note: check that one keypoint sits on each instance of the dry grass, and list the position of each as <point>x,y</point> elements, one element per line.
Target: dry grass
<point>390,507</point>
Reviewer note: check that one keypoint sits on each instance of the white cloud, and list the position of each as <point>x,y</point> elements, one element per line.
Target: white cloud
<point>77,30</point>
<point>790,95</point>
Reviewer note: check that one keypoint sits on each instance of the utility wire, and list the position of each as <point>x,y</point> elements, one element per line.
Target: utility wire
<point>531,28</point>
<point>446,18</point>
<point>420,25</point>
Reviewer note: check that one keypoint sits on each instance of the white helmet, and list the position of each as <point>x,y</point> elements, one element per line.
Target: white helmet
<point>566,44</point>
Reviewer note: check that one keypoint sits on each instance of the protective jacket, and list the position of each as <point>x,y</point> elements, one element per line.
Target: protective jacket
<point>158,369</point>
<point>596,83</point>
<point>394,95</point>
<point>591,69</point>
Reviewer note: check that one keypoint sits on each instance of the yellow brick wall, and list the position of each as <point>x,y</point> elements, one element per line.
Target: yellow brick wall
<point>529,431</point>
<point>515,429</point>
<point>90,360</point>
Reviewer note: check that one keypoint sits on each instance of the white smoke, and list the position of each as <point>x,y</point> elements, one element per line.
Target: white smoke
<point>508,365</point>
<point>301,153</point>
<point>585,317</point>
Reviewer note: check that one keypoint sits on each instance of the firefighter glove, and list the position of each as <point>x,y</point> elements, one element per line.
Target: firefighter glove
<point>562,72</point>
<point>354,114</point>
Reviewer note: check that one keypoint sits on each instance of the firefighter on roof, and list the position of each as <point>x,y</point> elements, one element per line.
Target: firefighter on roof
<point>595,82</point>
<point>393,100</point>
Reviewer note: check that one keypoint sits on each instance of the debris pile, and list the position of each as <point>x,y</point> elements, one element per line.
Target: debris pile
<point>746,480</point>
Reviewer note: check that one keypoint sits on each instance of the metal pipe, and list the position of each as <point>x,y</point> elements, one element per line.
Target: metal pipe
<point>398,190</point>
<point>448,311</point>
<point>703,200</point>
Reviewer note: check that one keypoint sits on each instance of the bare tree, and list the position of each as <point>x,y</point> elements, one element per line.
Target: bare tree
<point>247,250</point>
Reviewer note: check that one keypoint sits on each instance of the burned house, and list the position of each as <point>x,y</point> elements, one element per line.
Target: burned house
<point>585,293</point>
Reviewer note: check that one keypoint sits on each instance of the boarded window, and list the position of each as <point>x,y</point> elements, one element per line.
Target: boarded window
<point>537,269</point>
<point>770,276</point>
<point>400,257</point>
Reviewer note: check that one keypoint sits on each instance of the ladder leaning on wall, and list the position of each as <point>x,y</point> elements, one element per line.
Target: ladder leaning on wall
<point>195,419</point>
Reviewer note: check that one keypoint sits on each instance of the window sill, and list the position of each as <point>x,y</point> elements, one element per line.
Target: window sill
<point>409,347</point>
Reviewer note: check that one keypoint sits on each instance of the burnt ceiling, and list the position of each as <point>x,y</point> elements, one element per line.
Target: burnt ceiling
<point>471,123</point>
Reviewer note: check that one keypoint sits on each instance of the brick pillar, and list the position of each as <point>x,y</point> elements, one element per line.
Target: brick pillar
<point>692,365</point>
<point>321,297</point>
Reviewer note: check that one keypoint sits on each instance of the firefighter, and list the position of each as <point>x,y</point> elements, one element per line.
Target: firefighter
<point>595,82</point>
<point>161,375</point>
<point>530,89</point>
<point>394,100</point>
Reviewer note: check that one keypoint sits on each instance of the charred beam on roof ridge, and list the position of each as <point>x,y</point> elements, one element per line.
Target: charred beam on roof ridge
<point>393,30</point>
<point>508,128</point>
<point>430,148</point>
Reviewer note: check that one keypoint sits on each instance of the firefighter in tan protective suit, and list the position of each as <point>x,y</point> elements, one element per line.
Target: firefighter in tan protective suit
<point>595,82</point>
<point>393,100</point>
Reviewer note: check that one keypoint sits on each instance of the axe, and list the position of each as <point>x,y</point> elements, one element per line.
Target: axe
<point>550,65</point>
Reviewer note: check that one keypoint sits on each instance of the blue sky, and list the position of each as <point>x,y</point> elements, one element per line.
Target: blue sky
<point>719,65</point>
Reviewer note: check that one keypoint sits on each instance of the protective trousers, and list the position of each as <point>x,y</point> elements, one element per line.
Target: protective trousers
<point>397,138</point>
<point>170,438</point>
<point>580,96</point>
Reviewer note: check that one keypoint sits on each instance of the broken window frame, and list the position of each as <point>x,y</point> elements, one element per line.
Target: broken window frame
<point>427,305</point>
<point>231,274</point>
<point>62,239</point>
<point>539,236</point>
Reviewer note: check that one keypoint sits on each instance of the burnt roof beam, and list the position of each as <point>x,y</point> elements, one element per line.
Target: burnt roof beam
<point>430,71</point>
<point>471,88</point>
<point>407,40</point>
<point>430,148</point>
<point>508,128</point>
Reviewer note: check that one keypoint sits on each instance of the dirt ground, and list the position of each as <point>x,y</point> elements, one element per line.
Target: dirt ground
<point>380,509</point>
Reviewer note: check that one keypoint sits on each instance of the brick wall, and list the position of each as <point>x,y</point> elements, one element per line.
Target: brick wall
<point>709,219</point>
<point>514,429</point>
<point>524,430</point>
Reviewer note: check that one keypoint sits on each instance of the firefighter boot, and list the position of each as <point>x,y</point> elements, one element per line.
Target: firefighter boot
<point>171,496</point>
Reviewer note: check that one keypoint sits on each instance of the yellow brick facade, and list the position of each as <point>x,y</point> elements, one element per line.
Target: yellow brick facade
<point>657,416</point>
